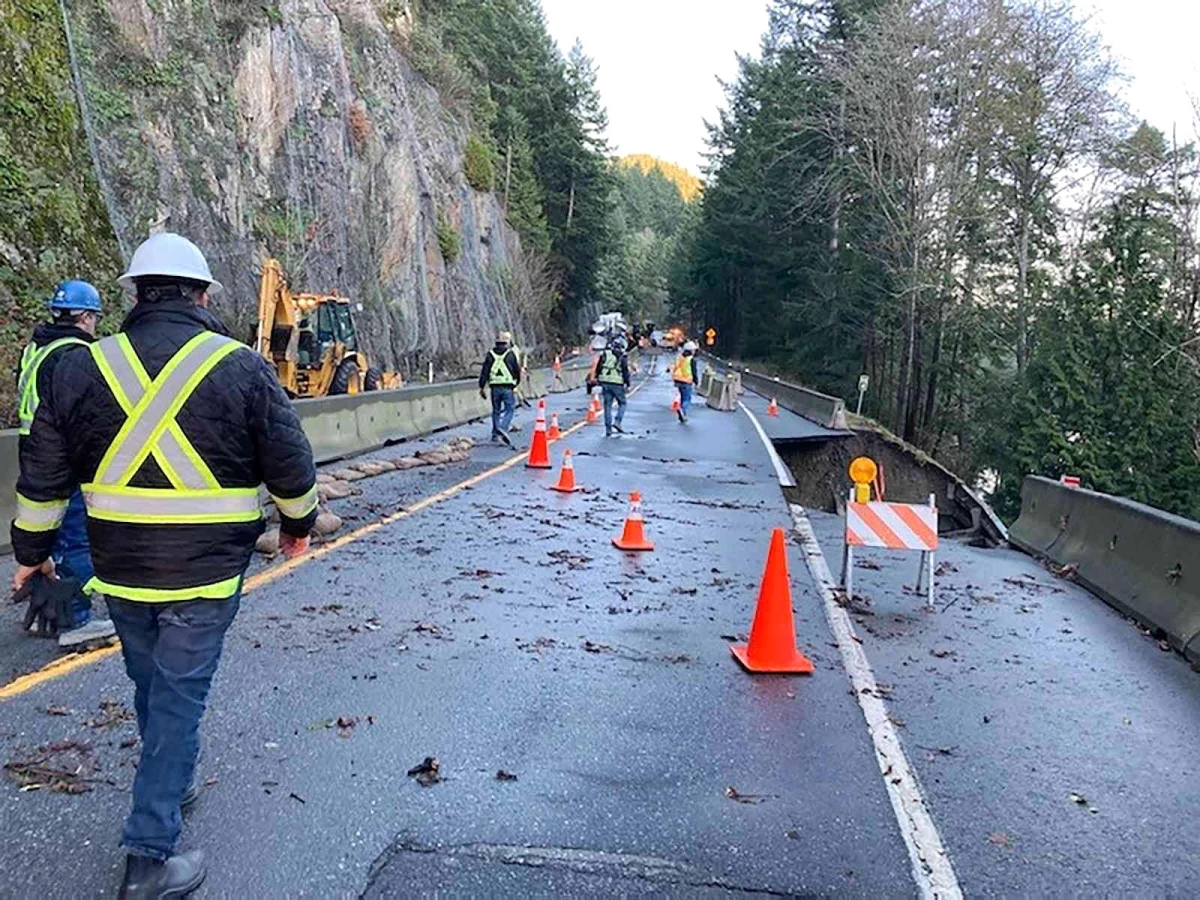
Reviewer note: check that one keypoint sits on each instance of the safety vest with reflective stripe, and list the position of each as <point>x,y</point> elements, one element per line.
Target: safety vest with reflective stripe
<point>682,371</point>
<point>27,392</point>
<point>609,369</point>
<point>500,375</point>
<point>150,429</point>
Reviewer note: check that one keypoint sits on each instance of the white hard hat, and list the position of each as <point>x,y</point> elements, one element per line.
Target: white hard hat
<point>169,255</point>
<point>689,345</point>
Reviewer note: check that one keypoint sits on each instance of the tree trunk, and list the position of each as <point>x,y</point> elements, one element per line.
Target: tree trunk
<point>507,172</point>
<point>571,204</point>
<point>1022,289</point>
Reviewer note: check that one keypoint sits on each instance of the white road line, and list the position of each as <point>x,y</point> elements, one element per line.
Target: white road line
<point>781,471</point>
<point>931,864</point>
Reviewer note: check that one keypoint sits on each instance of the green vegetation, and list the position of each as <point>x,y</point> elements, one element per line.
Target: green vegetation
<point>478,165</point>
<point>494,62</point>
<point>688,185</point>
<point>946,198</point>
<point>448,239</point>
<point>53,223</point>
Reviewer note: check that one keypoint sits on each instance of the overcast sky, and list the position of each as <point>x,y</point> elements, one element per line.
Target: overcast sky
<point>659,61</point>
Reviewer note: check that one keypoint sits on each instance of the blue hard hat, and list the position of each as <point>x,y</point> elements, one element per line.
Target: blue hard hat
<point>76,295</point>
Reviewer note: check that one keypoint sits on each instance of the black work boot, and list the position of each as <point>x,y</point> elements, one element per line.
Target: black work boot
<point>147,878</point>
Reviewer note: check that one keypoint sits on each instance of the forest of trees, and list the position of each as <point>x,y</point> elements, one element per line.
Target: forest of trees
<point>537,135</point>
<point>947,196</point>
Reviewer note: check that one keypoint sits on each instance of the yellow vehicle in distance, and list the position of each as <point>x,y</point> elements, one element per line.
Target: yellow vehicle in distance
<point>311,342</point>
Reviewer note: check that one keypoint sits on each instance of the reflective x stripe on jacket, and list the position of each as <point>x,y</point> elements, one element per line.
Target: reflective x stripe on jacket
<point>682,370</point>
<point>500,374</point>
<point>150,429</point>
<point>27,392</point>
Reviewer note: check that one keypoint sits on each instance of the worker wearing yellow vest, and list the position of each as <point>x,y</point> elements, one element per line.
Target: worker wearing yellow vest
<point>63,608</point>
<point>610,370</point>
<point>685,376</point>
<point>501,373</point>
<point>169,426</point>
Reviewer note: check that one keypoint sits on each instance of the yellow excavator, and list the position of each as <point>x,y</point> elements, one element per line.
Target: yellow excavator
<point>311,341</point>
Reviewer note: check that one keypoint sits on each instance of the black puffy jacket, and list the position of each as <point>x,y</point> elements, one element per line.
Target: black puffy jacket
<point>238,419</point>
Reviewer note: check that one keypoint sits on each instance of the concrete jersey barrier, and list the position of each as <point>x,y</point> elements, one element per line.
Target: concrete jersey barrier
<point>346,425</point>
<point>823,409</point>
<point>1138,559</point>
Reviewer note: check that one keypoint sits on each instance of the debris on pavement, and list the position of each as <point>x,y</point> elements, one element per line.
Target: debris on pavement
<point>999,839</point>
<point>504,775</point>
<point>58,711</point>
<point>738,797</point>
<point>112,713</point>
<point>62,767</point>
<point>426,772</point>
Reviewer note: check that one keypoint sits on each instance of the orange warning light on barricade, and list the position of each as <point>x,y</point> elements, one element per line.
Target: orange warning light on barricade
<point>862,472</point>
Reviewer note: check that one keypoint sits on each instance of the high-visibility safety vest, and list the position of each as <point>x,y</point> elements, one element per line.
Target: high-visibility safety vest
<point>499,375</point>
<point>682,370</point>
<point>27,393</point>
<point>609,369</point>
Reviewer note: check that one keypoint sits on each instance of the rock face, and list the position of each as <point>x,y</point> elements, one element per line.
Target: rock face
<point>298,129</point>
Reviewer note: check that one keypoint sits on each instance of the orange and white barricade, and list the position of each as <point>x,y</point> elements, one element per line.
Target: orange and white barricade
<point>891,526</point>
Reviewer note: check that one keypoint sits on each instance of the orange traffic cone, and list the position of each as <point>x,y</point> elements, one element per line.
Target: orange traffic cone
<point>566,477</point>
<point>633,537</point>
<point>772,408</point>
<point>557,363</point>
<point>676,405</point>
<point>772,646</point>
<point>539,447</point>
<point>553,434</point>
<point>593,410</point>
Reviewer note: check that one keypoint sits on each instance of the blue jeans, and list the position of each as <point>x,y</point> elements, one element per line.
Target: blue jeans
<point>504,402</point>
<point>171,652</point>
<point>73,557</point>
<point>613,393</point>
<point>685,396</point>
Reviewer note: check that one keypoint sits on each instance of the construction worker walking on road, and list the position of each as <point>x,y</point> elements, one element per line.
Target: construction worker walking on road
<point>76,308</point>
<point>169,427</point>
<point>501,373</point>
<point>685,375</point>
<point>610,369</point>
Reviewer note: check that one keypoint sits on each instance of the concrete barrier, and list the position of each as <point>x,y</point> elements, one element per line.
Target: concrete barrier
<point>823,409</point>
<point>343,426</point>
<point>1140,560</point>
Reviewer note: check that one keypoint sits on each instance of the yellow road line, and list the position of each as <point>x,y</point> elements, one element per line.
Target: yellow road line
<point>67,664</point>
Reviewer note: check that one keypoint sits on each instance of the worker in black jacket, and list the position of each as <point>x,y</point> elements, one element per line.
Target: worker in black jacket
<point>501,373</point>
<point>169,427</point>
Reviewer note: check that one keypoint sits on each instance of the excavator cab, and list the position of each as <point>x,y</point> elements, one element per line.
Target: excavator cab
<point>311,341</point>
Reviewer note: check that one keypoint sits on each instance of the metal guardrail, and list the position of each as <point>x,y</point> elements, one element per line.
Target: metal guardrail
<point>346,425</point>
<point>1136,558</point>
<point>824,409</point>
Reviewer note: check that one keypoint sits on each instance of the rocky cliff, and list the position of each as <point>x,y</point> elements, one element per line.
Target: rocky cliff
<point>297,129</point>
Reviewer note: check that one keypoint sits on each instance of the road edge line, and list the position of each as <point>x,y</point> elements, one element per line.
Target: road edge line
<point>786,479</point>
<point>931,866</point>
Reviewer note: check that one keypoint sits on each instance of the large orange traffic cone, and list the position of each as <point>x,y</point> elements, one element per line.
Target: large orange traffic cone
<point>633,537</point>
<point>553,434</point>
<point>566,477</point>
<point>772,646</point>
<point>539,447</point>
<point>772,408</point>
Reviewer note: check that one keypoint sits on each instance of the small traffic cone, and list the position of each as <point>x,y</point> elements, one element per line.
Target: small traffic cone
<point>633,537</point>
<point>539,447</point>
<point>593,410</point>
<point>772,645</point>
<point>676,404</point>
<point>553,434</point>
<point>772,408</point>
<point>557,363</point>
<point>566,476</point>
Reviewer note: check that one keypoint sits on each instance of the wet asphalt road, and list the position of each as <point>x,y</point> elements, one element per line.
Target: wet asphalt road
<point>500,630</point>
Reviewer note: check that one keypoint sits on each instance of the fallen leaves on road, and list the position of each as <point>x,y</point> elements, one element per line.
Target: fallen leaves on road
<point>1067,572</point>
<point>941,653</point>
<point>573,560</point>
<point>503,775</point>
<point>683,590</point>
<point>427,772</point>
<point>112,713</point>
<point>792,834</point>
<point>999,839</point>
<point>63,767</point>
<point>592,647</point>
<point>1077,798</point>
<point>296,797</point>
<point>679,658</point>
<point>58,711</point>
<point>867,564</point>
<point>738,797</point>
<point>945,568</point>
